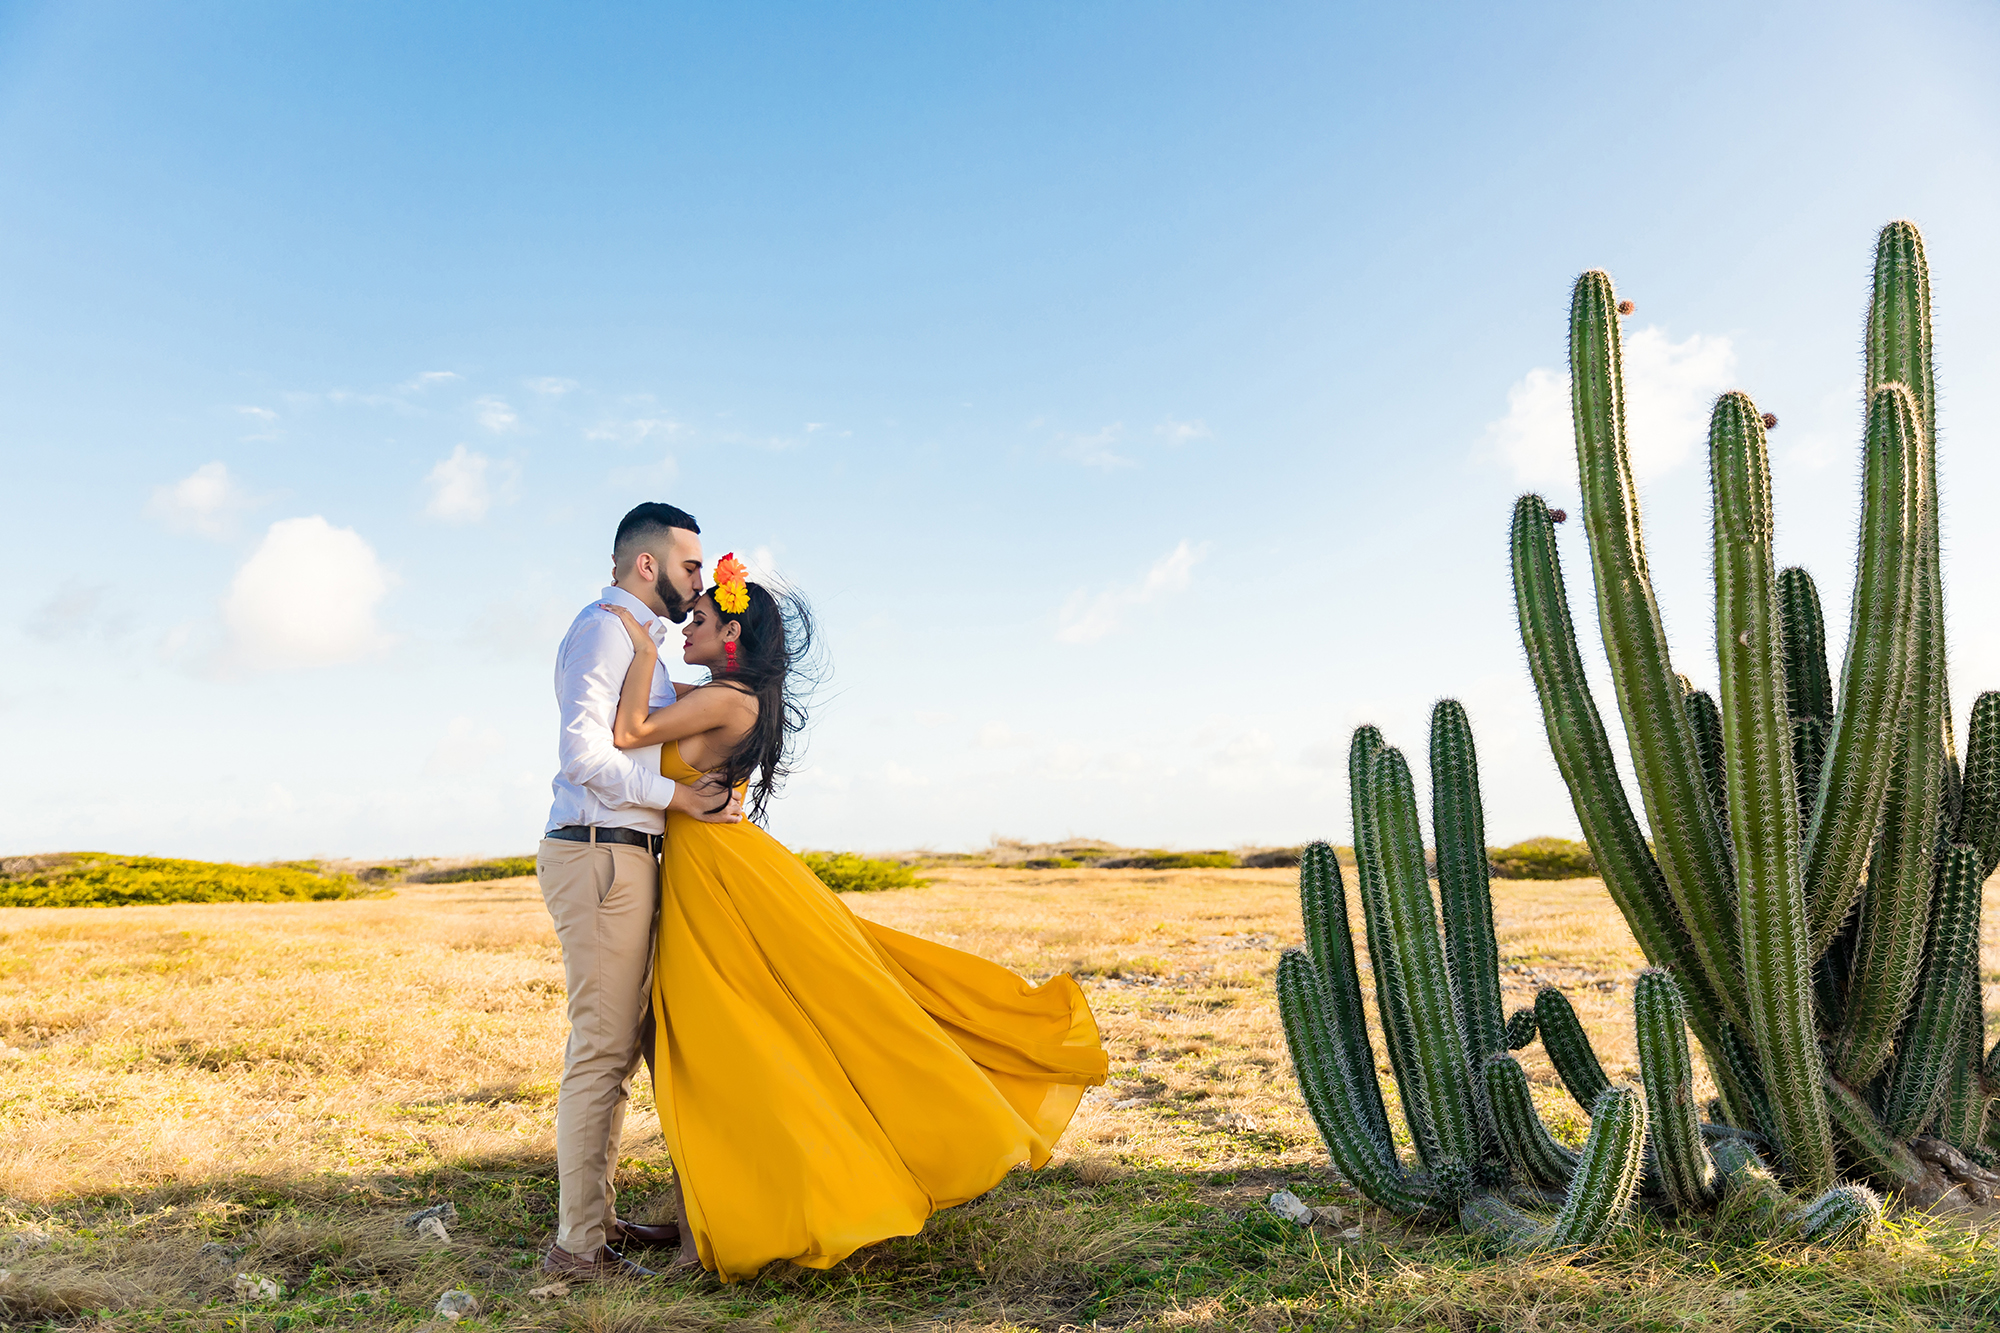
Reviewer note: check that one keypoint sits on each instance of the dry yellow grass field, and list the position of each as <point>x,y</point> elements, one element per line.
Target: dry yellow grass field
<point>172,1075</point>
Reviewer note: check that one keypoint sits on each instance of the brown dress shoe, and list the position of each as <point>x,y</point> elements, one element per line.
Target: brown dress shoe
<point>642,1233</point>
<point>607,1262</point>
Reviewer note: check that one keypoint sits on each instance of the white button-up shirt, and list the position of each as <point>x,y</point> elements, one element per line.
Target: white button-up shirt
<point>600,783</point>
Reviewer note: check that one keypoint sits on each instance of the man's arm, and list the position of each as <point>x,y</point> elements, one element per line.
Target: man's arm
<point>593,670</point>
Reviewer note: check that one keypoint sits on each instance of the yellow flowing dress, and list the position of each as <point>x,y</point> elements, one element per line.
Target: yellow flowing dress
<point>824,1082</point>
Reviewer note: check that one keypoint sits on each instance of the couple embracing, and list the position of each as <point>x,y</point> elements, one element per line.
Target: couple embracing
<point>822,1082</point>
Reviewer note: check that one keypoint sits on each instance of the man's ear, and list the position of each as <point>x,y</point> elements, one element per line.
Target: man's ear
<point>645,566</point>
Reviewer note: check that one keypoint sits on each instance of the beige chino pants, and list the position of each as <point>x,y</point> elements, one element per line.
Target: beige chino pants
<point>604,898</point>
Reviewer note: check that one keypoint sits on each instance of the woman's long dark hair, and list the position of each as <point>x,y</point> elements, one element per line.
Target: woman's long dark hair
<point>775,665</point>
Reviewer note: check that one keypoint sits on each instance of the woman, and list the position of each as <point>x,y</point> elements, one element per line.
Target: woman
<point>823,1082</point>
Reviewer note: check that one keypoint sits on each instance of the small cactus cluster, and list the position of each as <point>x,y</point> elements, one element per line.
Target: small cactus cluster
<point>1807,887</point>
<point>1483,1153</point>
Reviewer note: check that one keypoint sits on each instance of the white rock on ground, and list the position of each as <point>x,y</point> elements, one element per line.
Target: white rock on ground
<point>1292,1208</point>
<point>456,1305</point>
<point>434,1229</point>
<point>550,1292</point>
<point>446,1212</point>
<point>1236,1122</point>
<point>250,1288</point>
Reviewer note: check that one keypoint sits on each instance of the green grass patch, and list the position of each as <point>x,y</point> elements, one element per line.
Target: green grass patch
<point>1171,861</point>
<point>1542,858</point>
<point>100,879</point>
<point>849,872</point>
<point>505,867</point>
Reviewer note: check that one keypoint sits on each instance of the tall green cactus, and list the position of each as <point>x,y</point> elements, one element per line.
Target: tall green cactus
<point>1763,796</point>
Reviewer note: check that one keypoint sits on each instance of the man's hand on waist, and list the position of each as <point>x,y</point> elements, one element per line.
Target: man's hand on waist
<point>702,799</point>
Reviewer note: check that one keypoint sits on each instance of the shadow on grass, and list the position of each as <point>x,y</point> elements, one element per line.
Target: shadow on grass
<point>1087,1243</point>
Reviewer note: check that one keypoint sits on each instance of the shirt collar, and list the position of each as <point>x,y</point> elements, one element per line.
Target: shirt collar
<point>656,624</point>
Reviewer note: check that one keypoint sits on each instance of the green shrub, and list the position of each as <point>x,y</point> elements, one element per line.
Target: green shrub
<point>1051,863</point>
<point>1542,858</point>
<point>1171,861</point>
<point>1275,858</point>
<point>847,872</point>
<point>99,879</point>
<point>506,867</point>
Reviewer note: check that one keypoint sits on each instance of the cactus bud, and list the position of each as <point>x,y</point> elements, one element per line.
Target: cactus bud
<point>1770,421</point>
<point>1558,515</point>
<point>1626,307</point>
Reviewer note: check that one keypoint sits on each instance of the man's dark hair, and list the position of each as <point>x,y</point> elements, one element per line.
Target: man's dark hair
<point>644,525</point>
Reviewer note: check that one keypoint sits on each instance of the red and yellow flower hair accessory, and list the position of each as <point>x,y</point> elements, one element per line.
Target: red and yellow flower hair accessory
<point>732,592</point>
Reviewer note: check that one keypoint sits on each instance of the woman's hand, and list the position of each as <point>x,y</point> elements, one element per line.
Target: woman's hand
<point>641,641</point>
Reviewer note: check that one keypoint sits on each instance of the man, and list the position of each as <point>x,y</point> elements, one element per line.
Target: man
<point>599,866</point>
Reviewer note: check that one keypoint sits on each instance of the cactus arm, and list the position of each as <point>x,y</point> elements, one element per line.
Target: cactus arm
<point>1361,754</point>
<point>1933,1039</point>
<point>1845,1215</point>
<point>1491,1215</point>
<point>1568,1047</point>
<point>1752,1199</point>
<point>1808,685</point>
<point>1583,754</point>
<point>1411,926</point>
<point>1706,719</point>
<point>1333,1090</point>
<point>1660,1017</point>
<point>1520,1028</point>
<point>1664,759</point>
<point>1458,826</point>
<point>1323,904</point>
<point>1895,907</point>
<point>1874,685</point>
<point>1763,795</point>
<point>1962,1122</point>
<point>1979,823</point>
<point>1896,912</point>
<point>1535,1154</point>
<point>1607,1171</point>
<point>1859,1132</point>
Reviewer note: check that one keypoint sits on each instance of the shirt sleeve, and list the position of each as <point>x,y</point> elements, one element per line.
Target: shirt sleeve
<point>593,673</point>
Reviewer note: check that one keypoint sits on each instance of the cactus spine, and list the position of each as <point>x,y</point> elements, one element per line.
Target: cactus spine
<point>1934,1037</point>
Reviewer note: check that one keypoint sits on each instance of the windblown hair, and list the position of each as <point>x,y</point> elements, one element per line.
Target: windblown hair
<point>776,665</point>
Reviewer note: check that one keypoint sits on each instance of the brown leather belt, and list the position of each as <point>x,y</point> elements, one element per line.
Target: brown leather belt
<point>631,837</point>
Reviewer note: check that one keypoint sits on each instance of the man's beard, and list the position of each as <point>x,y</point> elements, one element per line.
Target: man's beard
<point>676,604</point>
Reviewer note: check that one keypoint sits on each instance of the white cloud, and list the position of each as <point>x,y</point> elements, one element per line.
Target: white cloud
<point>1180,432</point>
<point>425,379</point>
<point>461,491</point>
<point>554,386</point>
<point>206,501</point>
<point>1087,616</point>
<point>632,432</point>
<point>71,613</point>
<point>999,736</point>
<point>1669,388</point>
<point>260,413</point>
<point>306,597</point>
<point>1095,449</point>
<point>495,414</point>
<point>647,476</point>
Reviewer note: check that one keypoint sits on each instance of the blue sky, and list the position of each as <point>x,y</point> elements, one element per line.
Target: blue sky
<point>1138,391</point>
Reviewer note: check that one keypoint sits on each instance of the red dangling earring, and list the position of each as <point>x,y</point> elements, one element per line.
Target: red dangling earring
<point>729,657</point>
